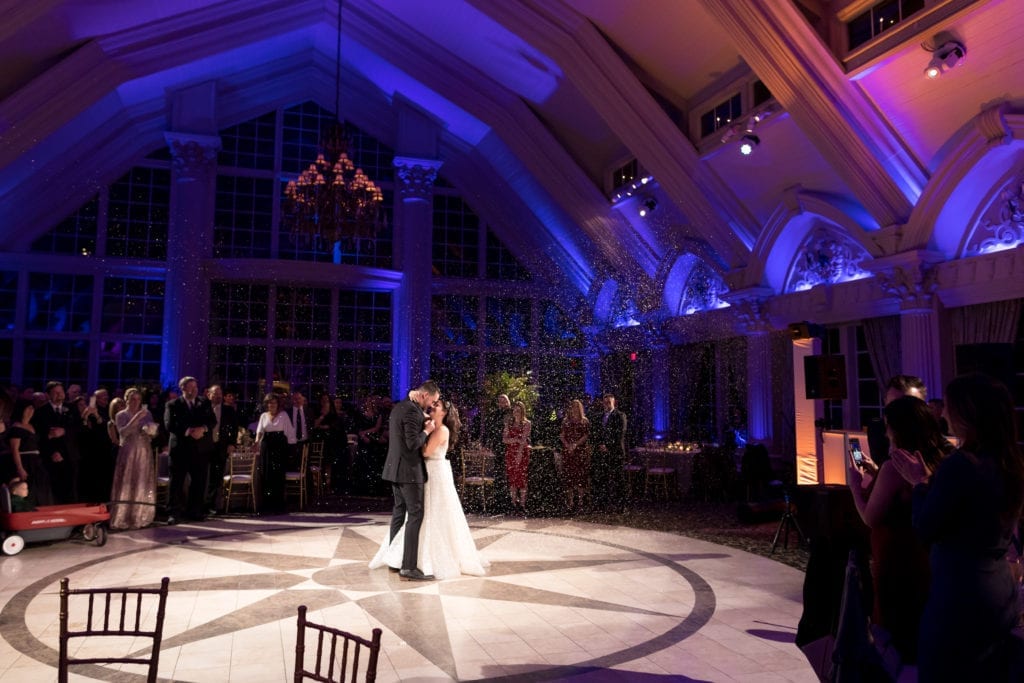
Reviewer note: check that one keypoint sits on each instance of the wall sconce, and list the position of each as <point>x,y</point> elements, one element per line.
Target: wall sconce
<point>945,57</point>
<point>648,205</point>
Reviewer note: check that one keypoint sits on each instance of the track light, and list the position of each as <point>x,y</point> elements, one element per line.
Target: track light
<point>648,206</point>
<point>945,57</point>
<point>747,144</point>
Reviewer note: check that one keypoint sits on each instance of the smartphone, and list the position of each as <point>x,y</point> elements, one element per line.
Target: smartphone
<point>92,401</point>
<point>855,452</point>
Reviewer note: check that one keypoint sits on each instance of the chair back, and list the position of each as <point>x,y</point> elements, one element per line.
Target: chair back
<point>319,475</point>
<point>295,480</point>
<point>240,481</point>
<point>113,612</point>
<point>338,653</point>
<point>163,477</point>
<point>476,472</point>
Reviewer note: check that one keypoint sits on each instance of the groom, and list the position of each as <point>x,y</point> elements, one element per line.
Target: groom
<point>408,429</point>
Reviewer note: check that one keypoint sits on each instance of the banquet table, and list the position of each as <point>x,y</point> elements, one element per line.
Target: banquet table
<point>681,460</point>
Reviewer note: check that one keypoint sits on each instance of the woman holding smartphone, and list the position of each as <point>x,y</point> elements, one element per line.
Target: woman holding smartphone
<point>899,560</point>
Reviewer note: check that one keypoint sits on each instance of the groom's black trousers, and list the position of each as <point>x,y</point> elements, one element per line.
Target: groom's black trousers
<point>408,510</point>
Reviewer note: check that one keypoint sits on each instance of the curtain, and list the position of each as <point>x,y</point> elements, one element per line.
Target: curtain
<point>882,336</point>
<point>992,323</point>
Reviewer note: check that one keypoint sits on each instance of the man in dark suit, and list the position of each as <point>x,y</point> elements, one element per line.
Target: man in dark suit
<point>225,438</point>
<point>54,423</point>
<point>189,420</point>
<point>302,421</point>
<point>608,490</point>
<point>408,429</point>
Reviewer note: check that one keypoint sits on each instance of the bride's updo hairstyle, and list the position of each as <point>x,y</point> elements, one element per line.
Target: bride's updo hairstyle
<point>452,422</point>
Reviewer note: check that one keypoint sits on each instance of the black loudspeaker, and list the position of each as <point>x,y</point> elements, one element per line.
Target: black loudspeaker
<point>825,377</point>
<point>995,360</point>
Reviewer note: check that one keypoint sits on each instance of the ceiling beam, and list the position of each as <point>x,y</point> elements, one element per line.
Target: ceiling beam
<point>805,78</point>
<point>714,215</point>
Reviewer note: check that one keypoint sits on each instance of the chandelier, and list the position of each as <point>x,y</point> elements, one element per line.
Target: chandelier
<point>332,200</point>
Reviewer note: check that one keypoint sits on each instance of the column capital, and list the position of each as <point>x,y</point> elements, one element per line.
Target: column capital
<point>192,155</point>
<point>417,177</point>
<point>750,306</point>
<point>912,277</point>
<point>913,285</point>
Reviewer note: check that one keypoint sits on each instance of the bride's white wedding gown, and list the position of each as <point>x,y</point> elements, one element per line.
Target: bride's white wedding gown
<point>446,545</point>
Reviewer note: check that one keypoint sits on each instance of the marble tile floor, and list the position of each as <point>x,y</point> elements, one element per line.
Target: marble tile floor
<point>563,600</point>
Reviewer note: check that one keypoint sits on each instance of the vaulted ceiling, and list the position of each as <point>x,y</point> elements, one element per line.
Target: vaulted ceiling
<point>537,100</point>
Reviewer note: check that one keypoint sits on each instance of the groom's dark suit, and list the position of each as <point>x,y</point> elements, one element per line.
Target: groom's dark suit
<point>407,472</point>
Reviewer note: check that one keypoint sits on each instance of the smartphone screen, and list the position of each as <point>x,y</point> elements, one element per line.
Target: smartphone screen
<point>855,452</point>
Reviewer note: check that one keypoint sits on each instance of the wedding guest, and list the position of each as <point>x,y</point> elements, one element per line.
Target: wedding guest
<point>55,431</point>
<point>20,500</point>
<point>516,438</point>
<point>98,454</point>
<point>225,438</point>
<point>25,452</point>
<point>608,434</point>
<point>900,385</point>
<point>302,419</point>
<point>938,408</point>
<point>575,438</point>
<point>274,435</point>
<point>371,448</point>
<point>899,560</point>
<point>189,421</point>
<point>968,509</point>
<point>133,494</point>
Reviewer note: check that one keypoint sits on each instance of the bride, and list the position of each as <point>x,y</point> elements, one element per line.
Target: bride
<point>446,546</point>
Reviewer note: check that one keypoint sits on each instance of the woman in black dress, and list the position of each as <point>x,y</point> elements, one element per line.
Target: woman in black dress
<point>968,509</point>
<point>28,463</point>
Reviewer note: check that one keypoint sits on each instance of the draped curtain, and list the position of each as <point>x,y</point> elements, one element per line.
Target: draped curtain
<point>992,323</point>
<point>882,337</point>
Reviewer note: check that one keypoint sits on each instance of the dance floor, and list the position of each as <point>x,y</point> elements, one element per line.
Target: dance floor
<point>563,600</point>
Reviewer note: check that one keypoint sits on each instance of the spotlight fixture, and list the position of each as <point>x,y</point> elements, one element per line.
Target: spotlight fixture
<point>747,144</point>
<point>648,206</point>
<point>945,57</point>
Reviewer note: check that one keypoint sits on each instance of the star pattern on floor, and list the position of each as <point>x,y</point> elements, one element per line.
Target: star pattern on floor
<point>415,612</point>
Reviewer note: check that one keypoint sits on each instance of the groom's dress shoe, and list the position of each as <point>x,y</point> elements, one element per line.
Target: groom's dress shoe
<point>415,575</point>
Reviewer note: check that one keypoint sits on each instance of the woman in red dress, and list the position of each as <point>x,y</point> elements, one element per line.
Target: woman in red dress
<point>575,438</point>
<point>517,455</point>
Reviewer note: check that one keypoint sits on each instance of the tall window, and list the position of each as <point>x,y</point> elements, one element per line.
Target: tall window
<point>456,238</point>
<point>8,299</point>
<point>139,213</point>
<point>76,234</point>
<point>65,360</point>
<point>132,306</point>
<point>59,303</point>
<point>869,397</point>
<point>300,348</point>
<point>880,18</point>
<point>721,115</point>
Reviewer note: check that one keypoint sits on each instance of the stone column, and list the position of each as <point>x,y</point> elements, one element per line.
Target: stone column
<point>753,323</point>
<point>189,242</point>
<point>411,342</point>
<point>658,381</point>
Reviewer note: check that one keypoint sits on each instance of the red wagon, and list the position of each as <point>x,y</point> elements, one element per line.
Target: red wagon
<point>50,523</point>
